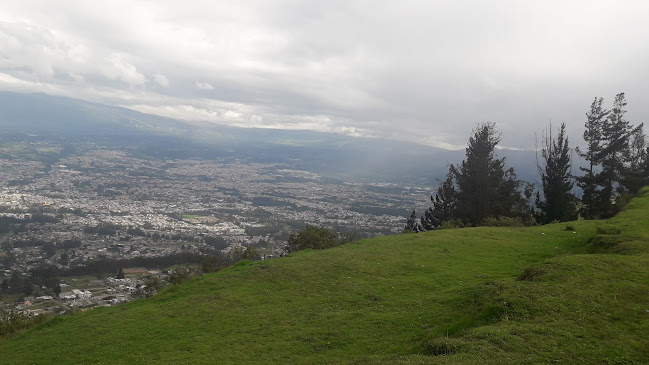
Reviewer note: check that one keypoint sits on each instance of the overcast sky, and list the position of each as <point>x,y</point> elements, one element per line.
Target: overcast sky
<point>425,71</point>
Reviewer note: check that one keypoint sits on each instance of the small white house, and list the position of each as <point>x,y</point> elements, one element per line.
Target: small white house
<point>82,294</point>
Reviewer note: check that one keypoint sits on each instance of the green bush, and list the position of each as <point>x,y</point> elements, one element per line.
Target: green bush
<point>182,274</point>
<point>622,201</point>
<point>244,253</point>
<point>452,224</point>
<point>14,321</point>
<point>317,238</point>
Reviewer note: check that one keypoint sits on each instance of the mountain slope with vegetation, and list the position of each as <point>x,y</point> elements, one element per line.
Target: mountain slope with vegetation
<point>78,123</point>
<point>575,292</point>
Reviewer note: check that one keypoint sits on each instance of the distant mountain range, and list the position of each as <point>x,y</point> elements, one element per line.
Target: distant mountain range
<point>335,155</point>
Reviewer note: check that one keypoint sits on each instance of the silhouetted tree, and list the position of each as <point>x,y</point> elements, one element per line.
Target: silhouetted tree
<point>443,206</point>
<point>645,167</point>
<point>636,173</point>
<point>412,224</point>
<point>615,133</point>
<point>589,183</point>
<point>559,202</point>
<point>485,188</point>
<point>616,153</point>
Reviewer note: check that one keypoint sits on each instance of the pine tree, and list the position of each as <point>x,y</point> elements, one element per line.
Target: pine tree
<point>637,149</point>
<point>426,220</point>
<point>413,225</point>
<point>443,206</point>
<point>485,188</point>
<point>617,133</point>
<point>595,118</point>
<point>635,174</point>
<point>556,179</point>
<point>645,167</point>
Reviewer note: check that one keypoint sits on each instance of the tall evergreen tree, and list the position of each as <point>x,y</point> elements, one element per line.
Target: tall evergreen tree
<point>412,224</point>
<point>485,188</point>
<point>637,149</point>
<point>645,168</point>
<point>617,133</point>
<point>443,206</point>
<point>614,151</point>
<point>595,118</point>
<point>635,175</point>
<point>556,179</point>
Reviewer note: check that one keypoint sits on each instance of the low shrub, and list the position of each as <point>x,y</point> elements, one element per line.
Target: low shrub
<point>318,238</point>
<point>13,321</point>
<point>452,224</point>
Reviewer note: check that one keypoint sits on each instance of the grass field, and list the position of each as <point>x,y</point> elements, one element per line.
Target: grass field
<point>544,294</point>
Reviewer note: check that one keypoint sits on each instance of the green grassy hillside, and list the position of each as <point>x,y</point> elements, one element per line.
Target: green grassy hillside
<point>567,293</point>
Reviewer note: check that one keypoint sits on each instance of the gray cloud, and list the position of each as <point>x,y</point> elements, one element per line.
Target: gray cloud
<point>412,70</point>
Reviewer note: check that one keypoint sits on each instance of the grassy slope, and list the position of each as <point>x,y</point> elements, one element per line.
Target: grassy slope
<point>497,295</point>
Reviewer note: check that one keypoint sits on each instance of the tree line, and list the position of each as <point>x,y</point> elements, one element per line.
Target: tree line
<point>482,190</point>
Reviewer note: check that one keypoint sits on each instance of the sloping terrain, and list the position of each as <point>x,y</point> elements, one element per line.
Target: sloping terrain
<point>574,292</point>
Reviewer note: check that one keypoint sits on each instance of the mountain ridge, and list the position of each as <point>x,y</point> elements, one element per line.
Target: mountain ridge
<point>326,153</point>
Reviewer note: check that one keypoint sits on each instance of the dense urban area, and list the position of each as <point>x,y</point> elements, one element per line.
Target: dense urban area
<point>93,209</point>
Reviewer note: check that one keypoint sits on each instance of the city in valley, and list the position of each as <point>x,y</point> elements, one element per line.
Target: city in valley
<point>96,204</point>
